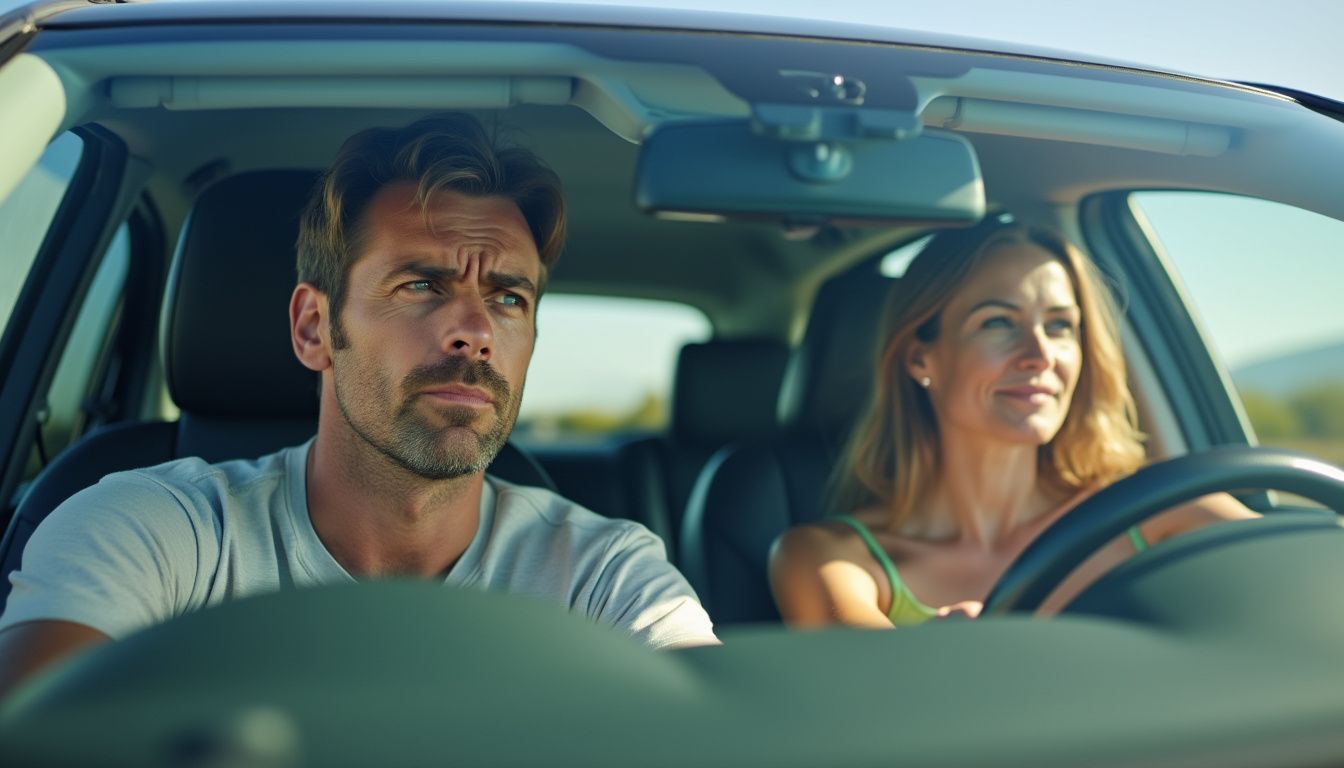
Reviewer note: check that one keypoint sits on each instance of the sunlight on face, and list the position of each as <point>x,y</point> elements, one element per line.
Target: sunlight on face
<point>1007,358</point>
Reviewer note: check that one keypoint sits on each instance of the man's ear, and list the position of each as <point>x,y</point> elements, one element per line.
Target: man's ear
<point>307,327</point>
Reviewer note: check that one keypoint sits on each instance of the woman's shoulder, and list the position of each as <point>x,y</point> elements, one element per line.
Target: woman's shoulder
<point>819,575</point>
<point>823,539</point>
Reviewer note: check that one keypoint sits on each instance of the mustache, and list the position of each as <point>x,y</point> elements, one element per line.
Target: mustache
<point>458,370</point>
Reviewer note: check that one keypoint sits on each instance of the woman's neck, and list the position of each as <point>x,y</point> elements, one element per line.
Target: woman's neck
<point>984,493</point>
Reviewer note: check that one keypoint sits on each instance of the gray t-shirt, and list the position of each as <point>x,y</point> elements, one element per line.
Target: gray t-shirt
<point>143,546</point>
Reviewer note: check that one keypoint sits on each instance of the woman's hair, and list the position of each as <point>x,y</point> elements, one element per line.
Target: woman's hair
<point>892,456</point>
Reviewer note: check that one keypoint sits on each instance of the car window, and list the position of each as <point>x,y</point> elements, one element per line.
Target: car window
<point>74,399</point>
<point>604,365</point>
<point>26,213</point>
<point>1264,280</point>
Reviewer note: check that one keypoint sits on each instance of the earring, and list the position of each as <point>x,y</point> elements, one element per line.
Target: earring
<point>925,382</point>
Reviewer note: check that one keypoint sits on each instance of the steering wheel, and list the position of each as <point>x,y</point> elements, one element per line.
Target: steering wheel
<point>1077,535</point>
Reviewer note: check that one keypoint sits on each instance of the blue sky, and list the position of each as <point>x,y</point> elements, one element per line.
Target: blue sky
<point>1289,42</point>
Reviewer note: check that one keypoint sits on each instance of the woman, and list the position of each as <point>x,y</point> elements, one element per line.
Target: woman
<point>999,404</point>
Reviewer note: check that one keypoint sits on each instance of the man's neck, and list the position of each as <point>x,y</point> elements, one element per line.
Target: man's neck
<point>378,519</point>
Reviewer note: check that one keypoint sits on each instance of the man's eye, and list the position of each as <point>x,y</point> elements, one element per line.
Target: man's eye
<point>510,300</point>
<point>419,286</point>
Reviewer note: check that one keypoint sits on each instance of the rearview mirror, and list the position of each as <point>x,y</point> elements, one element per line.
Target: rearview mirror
<point>716,171</point>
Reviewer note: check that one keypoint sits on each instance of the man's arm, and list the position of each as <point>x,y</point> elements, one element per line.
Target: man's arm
<point>28,647</point>
<point>641,592</point>
<point>115,557</point>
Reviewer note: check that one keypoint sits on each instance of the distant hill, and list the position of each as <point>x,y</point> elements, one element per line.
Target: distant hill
<point>1286,374</point>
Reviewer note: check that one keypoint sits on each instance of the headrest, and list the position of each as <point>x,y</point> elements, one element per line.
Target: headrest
<point>226,312</point>
<point>726,390</point>
<point>830,375</point>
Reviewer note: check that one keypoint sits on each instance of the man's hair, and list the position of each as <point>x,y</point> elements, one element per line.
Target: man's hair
<point>892,456</point>
<point>444,152</point>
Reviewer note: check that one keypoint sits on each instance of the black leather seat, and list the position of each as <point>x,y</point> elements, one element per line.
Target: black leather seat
<point>724,391</point>
<point>228,361</point>
<point>724,394</point>
<point>749,493</point>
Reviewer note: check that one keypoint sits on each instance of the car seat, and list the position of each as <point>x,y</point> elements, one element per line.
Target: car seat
<point>228,361</point>
<point>725,392</point>
<point>751,492</point>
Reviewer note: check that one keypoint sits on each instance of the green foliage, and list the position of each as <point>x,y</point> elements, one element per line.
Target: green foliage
<point>1315,412</point>
<point>1321,409</point>
<point>1311,420</point>
<point>649,414</point>
<point>1271,417</point>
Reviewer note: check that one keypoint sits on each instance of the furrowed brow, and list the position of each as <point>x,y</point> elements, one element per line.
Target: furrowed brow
<point>511,281</point>
<point>424,271</point>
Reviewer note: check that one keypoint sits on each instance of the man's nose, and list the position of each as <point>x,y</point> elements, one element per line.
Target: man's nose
<point>470,331</point>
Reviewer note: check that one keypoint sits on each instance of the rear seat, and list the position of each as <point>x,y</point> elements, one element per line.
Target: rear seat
<point>724,392</point>
<point>752,491</point>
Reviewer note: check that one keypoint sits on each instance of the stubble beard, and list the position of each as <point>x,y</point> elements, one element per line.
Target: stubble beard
<point>448,450</point>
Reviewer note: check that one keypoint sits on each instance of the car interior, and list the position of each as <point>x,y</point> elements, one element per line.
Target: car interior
<point>203,139</point>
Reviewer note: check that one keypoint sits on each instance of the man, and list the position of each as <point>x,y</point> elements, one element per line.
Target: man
<point>421,259</point>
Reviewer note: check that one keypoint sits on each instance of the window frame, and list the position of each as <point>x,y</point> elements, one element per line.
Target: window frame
<point>1199,392</point>
<point>45,311</point>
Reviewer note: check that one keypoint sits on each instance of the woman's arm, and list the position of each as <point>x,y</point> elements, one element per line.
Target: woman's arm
<point>1206,510</point>
<point>816,584</point>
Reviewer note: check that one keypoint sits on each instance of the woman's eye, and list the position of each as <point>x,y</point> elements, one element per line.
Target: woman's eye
<point>1060,328</point>
<point>995,323</point>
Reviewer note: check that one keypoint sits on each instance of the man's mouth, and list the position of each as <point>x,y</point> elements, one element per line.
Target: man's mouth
<point>456,381</point>
<point>460,394</point>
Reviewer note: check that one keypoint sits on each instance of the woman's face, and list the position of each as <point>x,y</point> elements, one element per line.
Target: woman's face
<point>1009,349</point>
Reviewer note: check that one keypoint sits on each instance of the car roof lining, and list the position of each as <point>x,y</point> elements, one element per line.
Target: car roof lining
<point>168,97</point>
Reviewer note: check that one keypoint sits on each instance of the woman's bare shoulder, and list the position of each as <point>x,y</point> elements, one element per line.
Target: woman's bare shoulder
<point>807,543</point>
<point>817,577</point>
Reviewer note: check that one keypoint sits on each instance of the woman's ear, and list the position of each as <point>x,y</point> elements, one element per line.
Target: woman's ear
<point>307,316</point>
<point>918,363</point>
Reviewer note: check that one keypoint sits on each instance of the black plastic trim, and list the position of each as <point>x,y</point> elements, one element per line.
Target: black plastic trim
<point>1331,108</point>
<point>145,281</point>
<point>18,27</point>
<point>45,311</point>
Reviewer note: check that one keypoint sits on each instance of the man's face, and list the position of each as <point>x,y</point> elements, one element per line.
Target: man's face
<point>440,323</point>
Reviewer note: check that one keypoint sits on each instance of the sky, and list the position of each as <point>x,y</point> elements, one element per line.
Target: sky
<point>1289,42</point>
<point>1294,43</point>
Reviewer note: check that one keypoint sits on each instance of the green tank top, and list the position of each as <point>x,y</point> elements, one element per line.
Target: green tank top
<point>906,609</point>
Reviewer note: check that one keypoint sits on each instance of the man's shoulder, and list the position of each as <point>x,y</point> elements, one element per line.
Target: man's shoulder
<point>545,507</point>
<point>193,470</point>
<point>529,516</point>
<point>192,482</point>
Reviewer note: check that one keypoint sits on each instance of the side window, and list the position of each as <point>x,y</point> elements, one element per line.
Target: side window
<point>74,397</point>
<point>1265,281</point>
<point>604,365</point>
<point>28,211</point>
